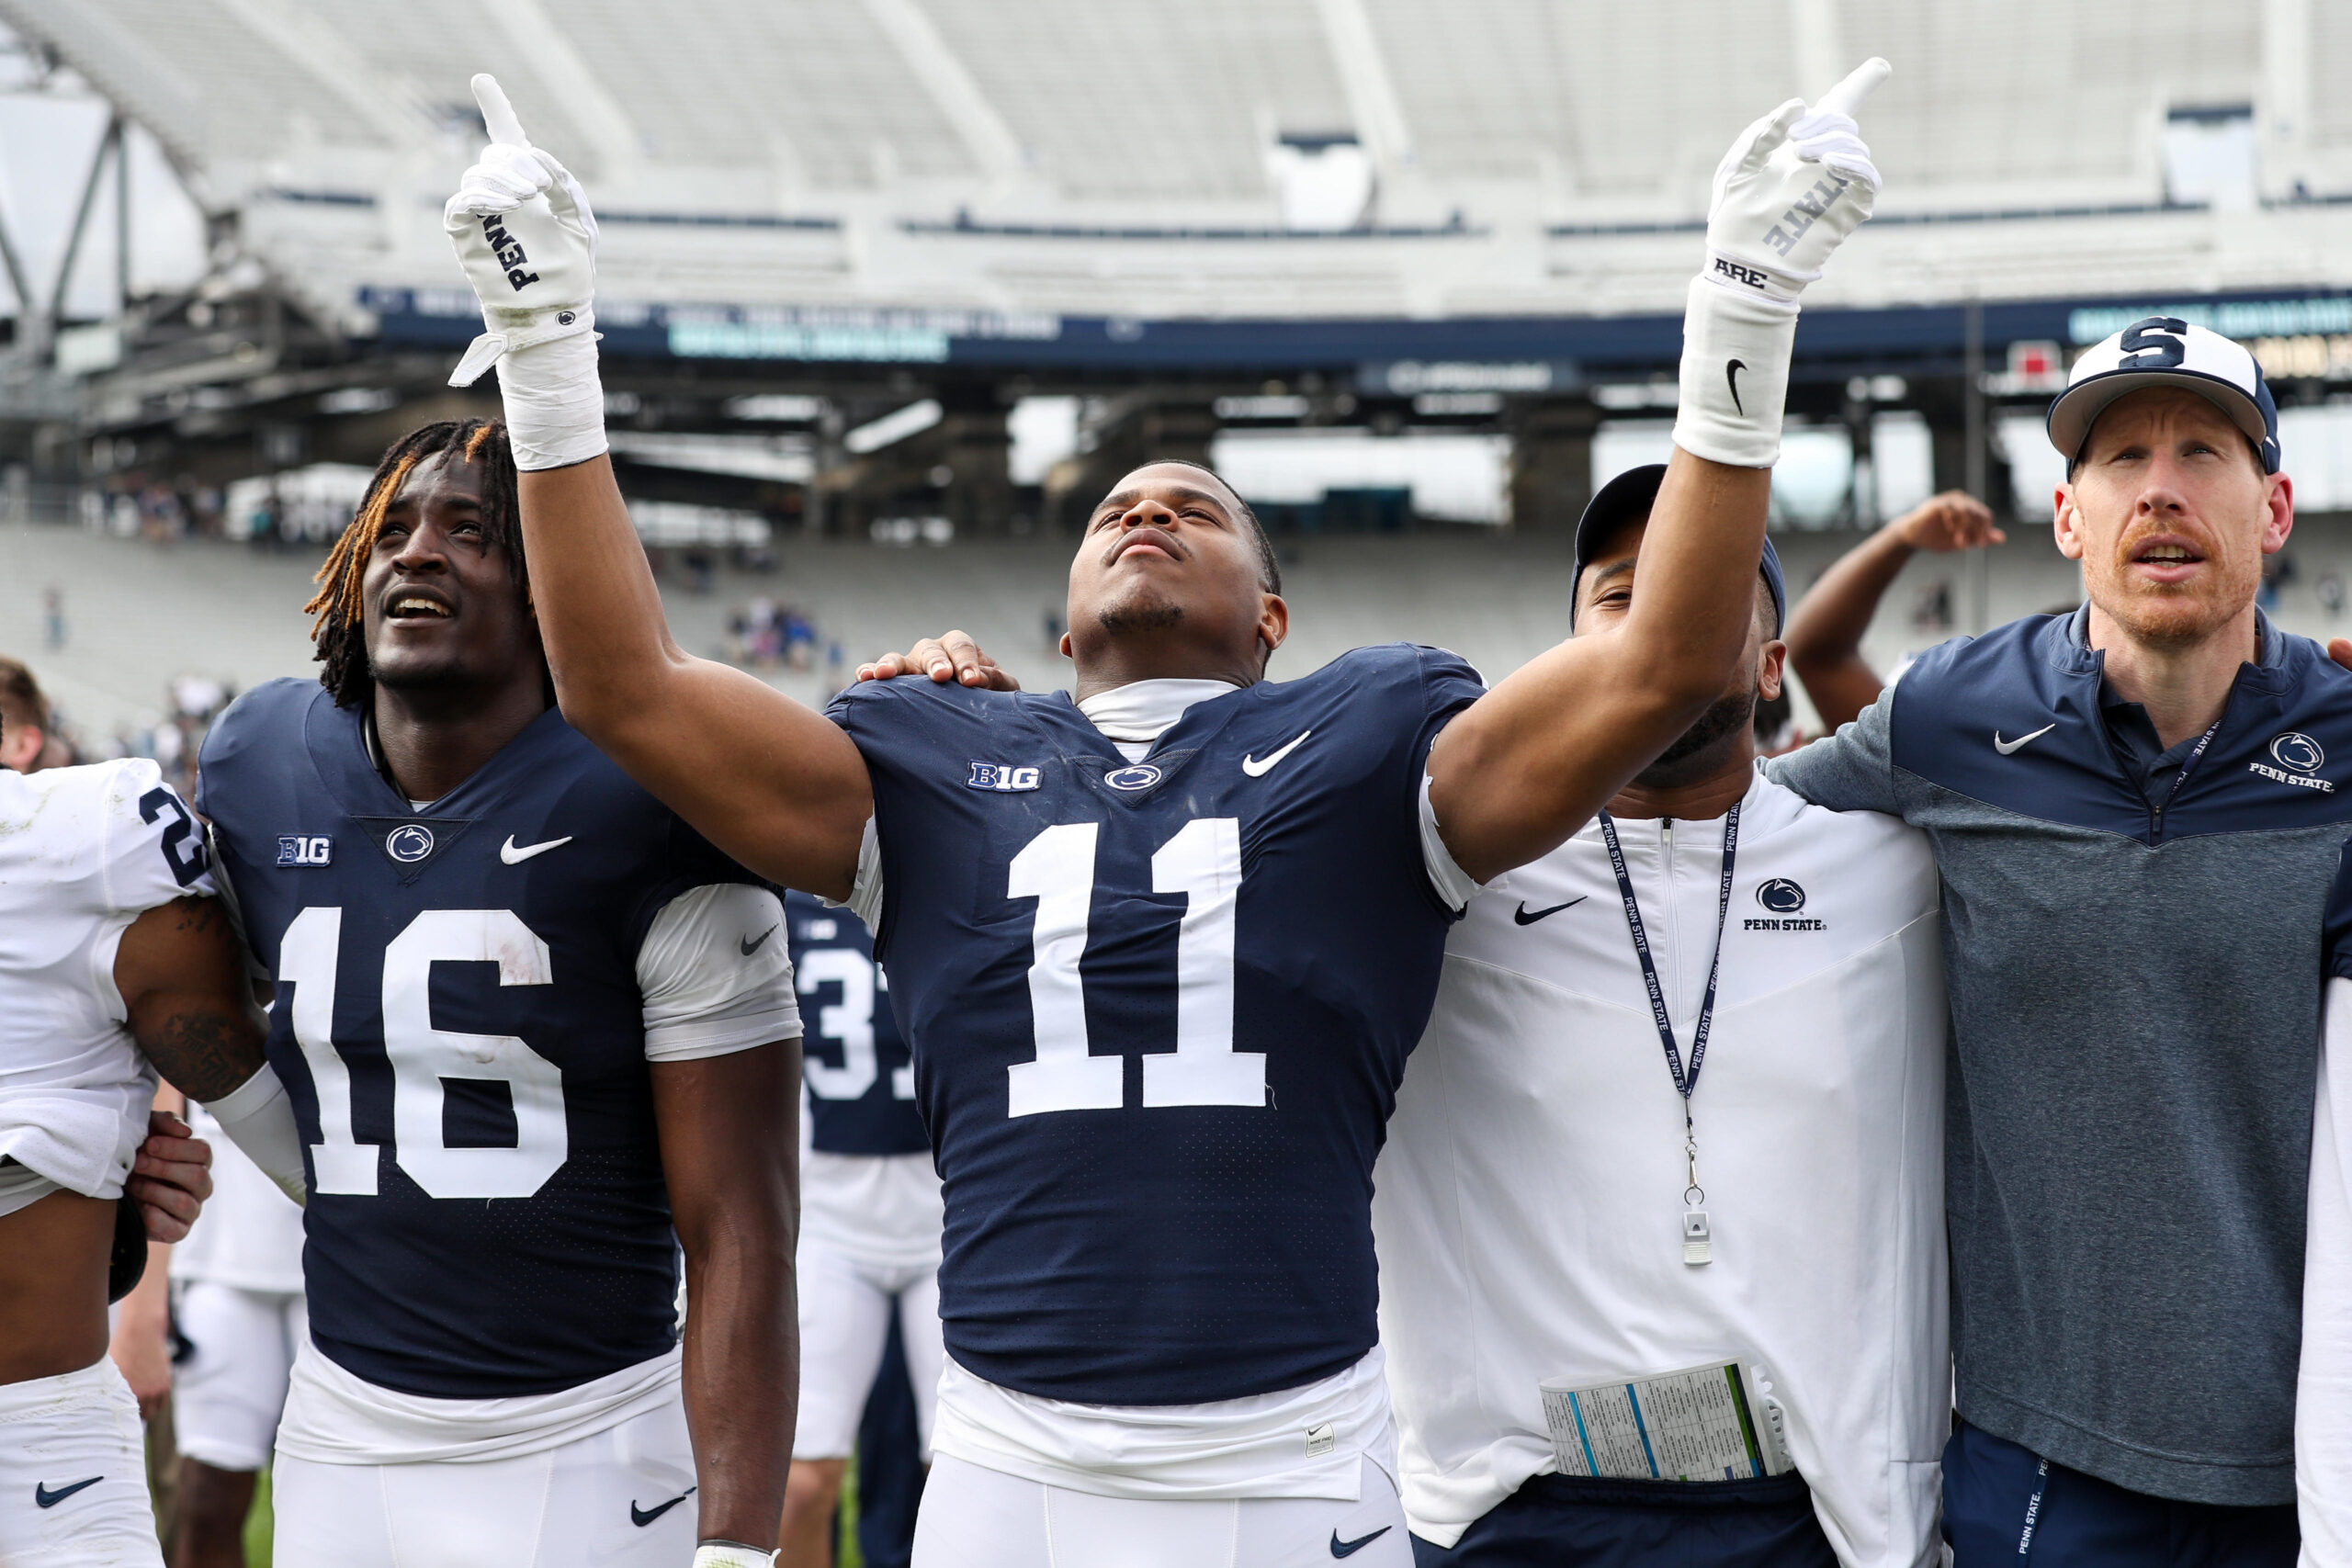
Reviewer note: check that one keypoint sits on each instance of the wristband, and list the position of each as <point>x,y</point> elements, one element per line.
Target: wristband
<point>259,1119</point>
<point>554,402</point>
<point>731,1554</point>
<point>1736,352</point>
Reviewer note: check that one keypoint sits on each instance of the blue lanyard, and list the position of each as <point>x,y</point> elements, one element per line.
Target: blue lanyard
<point>2188,766</point>
<point>1685,1085</point>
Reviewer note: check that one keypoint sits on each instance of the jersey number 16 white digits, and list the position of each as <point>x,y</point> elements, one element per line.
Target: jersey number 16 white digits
<point>1056,868</point>
<point>422,1056</point>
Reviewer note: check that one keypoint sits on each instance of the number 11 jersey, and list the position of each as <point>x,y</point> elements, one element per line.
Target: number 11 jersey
<point>1160,1010</point>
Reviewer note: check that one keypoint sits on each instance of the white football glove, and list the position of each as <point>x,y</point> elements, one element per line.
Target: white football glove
<point>1792,187</point>
<point>526,239</point>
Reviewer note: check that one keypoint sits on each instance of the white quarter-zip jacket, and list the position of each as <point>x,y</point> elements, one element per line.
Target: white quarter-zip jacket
<point>1529,1200</point>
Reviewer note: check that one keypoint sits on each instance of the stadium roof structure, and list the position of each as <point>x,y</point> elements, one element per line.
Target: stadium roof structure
<point>1002,166</point>
<point>1381,211</point>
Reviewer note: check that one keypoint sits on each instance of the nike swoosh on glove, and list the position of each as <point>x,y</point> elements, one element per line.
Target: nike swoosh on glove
<point>526,239</point>
<point>1790,189</point>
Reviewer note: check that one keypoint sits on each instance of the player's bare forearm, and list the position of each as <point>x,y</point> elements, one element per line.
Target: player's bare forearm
<point>1826,630</point>
<point>731,1150</point>
<point>772,783</point>
<point>181,971</point>
<point>1528,763</point>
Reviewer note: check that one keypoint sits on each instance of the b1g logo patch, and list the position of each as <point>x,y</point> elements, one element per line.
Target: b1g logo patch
<point>1001,777</point>
<point>295,848</point>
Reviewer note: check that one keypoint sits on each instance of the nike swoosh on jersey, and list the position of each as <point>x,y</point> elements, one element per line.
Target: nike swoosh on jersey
<point>1257,769</point>
<point>641,1518</point>
<point>1350,1548</point>
<point>1527,917</point>
<point>513,855</point>
<point>44,1498</point>
<point>2009,748</point>
<point>751,944</point>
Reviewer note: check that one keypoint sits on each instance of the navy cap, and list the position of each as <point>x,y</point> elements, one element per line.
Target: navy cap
<point>2164,350</point>
<point>1629,497</point>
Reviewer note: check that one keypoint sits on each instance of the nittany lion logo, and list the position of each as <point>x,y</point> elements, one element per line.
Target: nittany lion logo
<point>2298,752</point>
<point>410,845</point>
<point>1141,775</point>
<point>1781,897</point>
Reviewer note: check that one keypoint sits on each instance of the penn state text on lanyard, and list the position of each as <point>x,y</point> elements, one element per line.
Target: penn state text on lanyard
<point>1698,1241</point>
<point>2188,766</point>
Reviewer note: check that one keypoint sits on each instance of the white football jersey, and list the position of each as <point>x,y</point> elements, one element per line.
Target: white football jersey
<point>83,852</point>
<point>1530,1202</point>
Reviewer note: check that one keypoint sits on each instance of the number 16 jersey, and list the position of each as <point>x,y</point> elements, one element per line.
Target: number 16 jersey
<point>468,995</point>
<point>1160,1009</point>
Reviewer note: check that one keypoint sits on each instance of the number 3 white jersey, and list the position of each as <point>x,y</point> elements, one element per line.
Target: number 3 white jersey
<point>83,852</point>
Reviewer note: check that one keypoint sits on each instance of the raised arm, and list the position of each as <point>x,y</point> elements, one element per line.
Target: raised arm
<point>1825,628</point>
<point>1531,762</point>
<point>772,783</point>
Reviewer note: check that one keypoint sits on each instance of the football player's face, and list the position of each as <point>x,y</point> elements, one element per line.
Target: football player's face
<point>2171,516</point>
<point>1169,553</point>
<point>438,596</point>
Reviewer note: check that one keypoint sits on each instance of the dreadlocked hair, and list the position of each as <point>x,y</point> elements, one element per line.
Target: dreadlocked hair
<point>338,633</point>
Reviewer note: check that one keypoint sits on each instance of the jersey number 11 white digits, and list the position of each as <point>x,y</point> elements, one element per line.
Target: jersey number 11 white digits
<point>422,1056</point>
<point>1056,868</point>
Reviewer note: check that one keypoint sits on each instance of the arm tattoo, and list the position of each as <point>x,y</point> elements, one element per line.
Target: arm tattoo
<point>203,1051</point>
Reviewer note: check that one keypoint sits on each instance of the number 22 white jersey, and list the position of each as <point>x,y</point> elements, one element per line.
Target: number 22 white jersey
<point>83,852</point>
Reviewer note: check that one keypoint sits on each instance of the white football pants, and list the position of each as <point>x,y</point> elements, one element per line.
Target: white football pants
<point>974,1517</point>
<point>619,1498</point>
<point>846,1306</point>
<point>229,1393</point>
<point>73,1473</point>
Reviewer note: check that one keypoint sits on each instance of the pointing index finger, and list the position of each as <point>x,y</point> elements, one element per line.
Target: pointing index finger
<point>497,114</point>
<point>1850,95</point>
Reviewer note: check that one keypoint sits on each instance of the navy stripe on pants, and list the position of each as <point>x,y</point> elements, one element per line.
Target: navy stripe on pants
<point>2006,1507</point>
<point>1568,1521</point>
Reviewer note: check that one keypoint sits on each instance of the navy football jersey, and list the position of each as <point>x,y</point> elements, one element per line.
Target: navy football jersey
<point>460,1028</point>
<point>861,1077</point>
<point>1159,1011</point>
